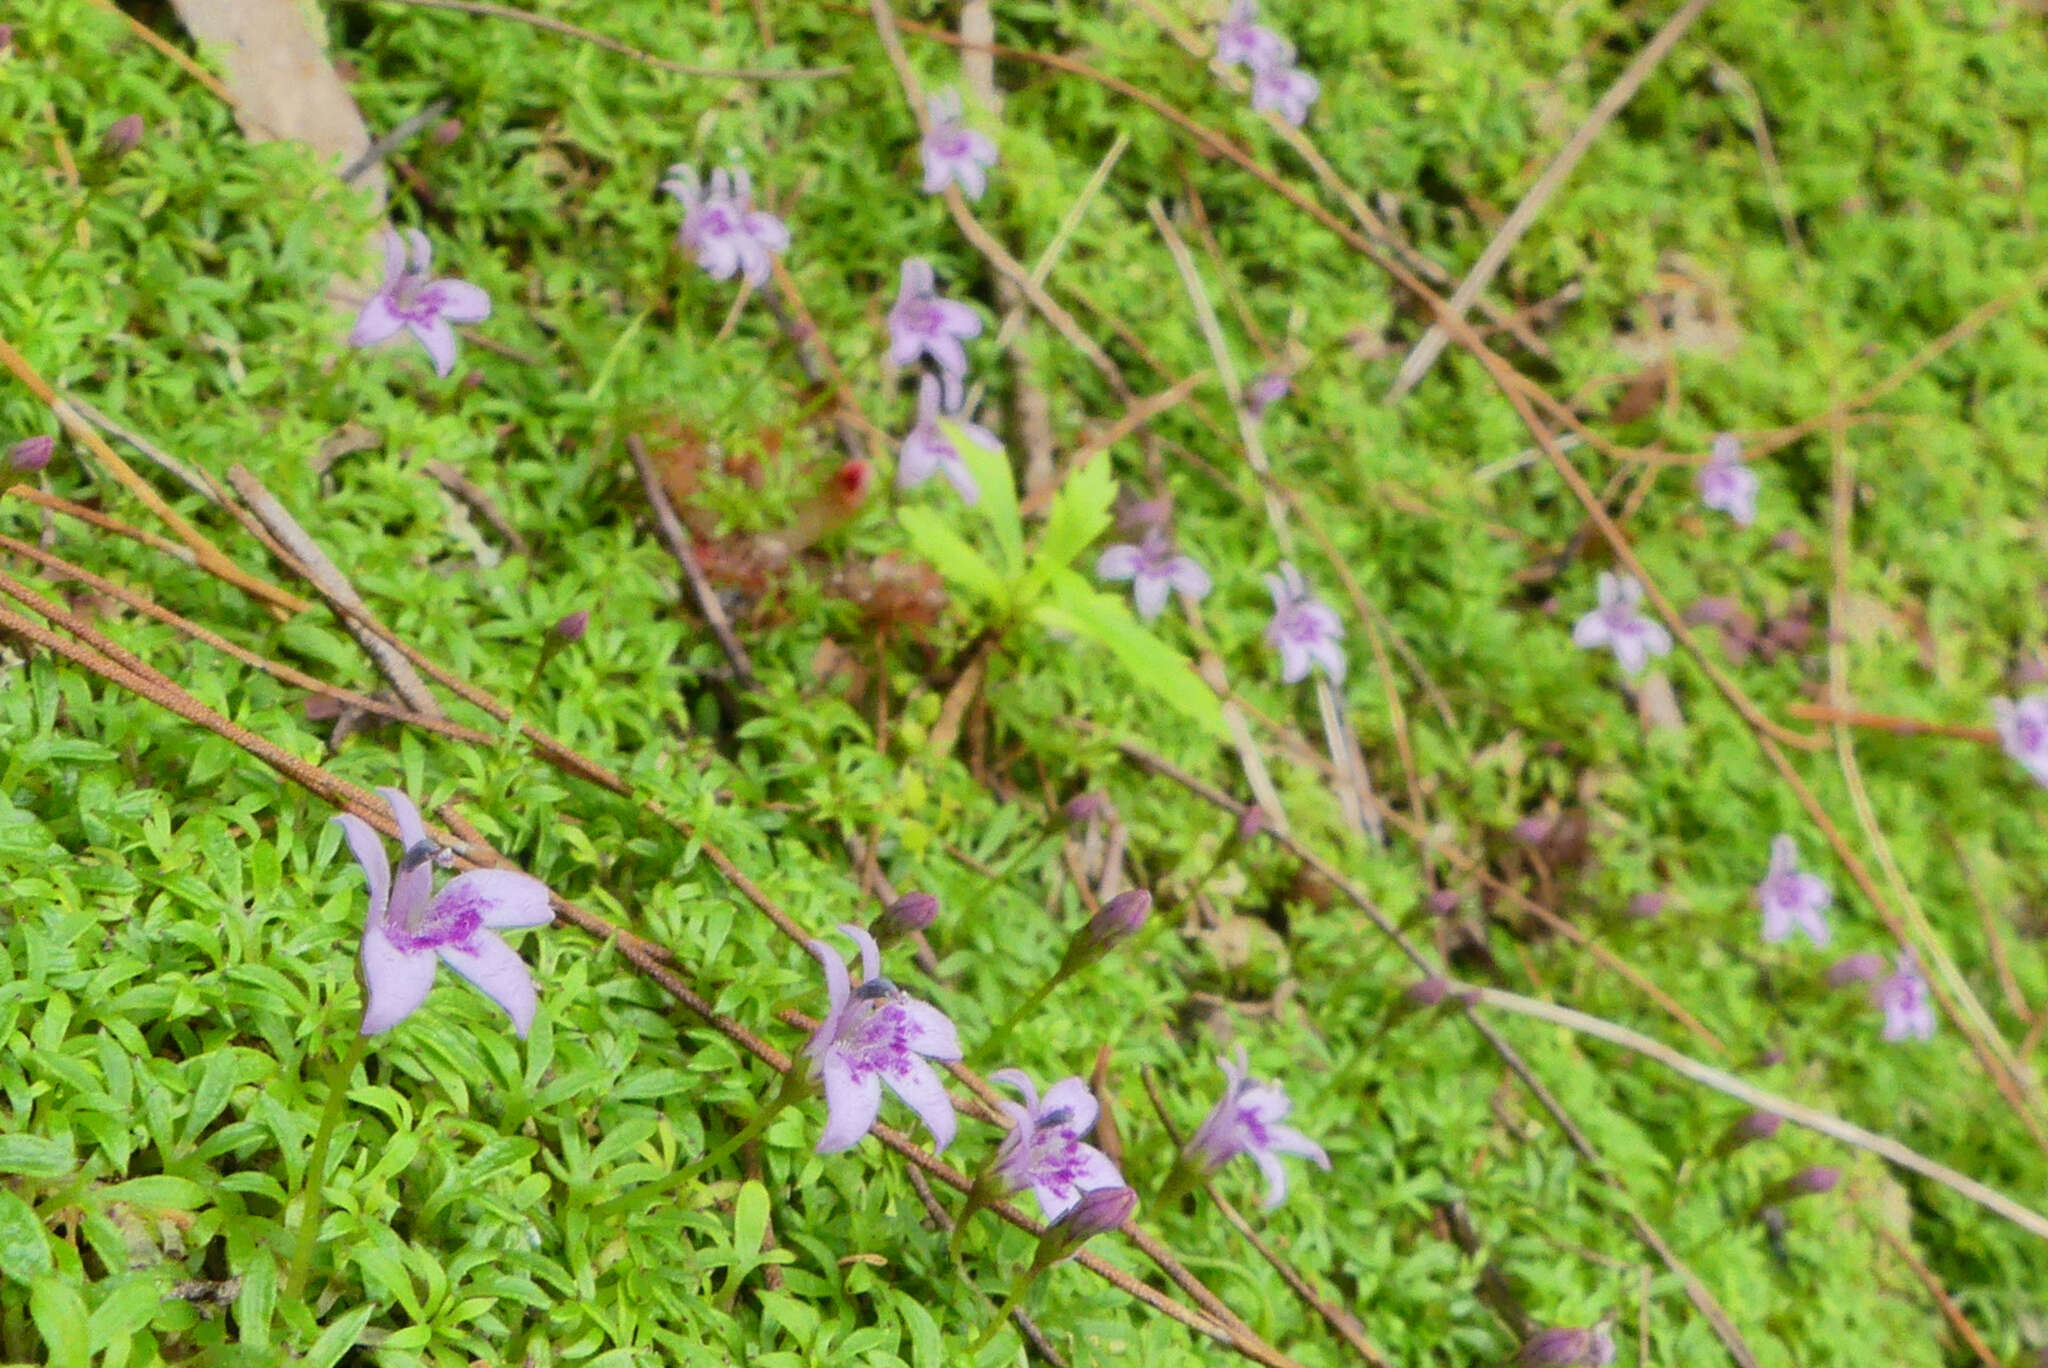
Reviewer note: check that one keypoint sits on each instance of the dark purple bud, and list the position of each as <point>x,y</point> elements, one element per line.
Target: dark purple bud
<point>1808,1182</point>
<point>1250,823</point>
<point>1121,918</point>
<point>123,136</point>
<point>1559,1347</point>
<point>911,912</point>
<point>1266,391</point>
<point>1085,807</point>
<point>1097,1213</point>
<point>446,132</point>
<point>1533,830</point>
<point>1755,1126</point>
<point>1443,902</point>
<point>1429,992</point>
<point>1646,905</point>
<point>1867,967</point>
<point>570,629</point>
<point>31,454</point>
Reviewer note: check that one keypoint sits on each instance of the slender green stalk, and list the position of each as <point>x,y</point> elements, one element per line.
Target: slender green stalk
<point>312,1187</point>
<point>794,1086</point>
<point>1182,1179</point>
<point>1003,1310</point>
<point>1029,1005</point>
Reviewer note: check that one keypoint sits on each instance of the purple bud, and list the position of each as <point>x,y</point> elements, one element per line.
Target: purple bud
<point>1429,992</point>
<point>1085,807</point>
<point>1867,967</point>
<point>1533,830</point>
<point>446,132</point>
<point>1443,902</point>
<point>1568,1347</point>
<point>1099,1211</point>
<point>1250,823</point>
<point>570,629</point>
<point>1121,918</point>
<point>1646,905</point>
<point>6,37</point>
<point>123,136</point>
<point>1140,515</point>
<point>911,912</point>
<point>31,454</point>
<point>1266,391</point>
<point>1810,1182</point>
<point>1754,1126</point>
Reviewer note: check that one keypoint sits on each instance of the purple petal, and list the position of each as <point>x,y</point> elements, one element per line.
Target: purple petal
<point>946,351</point>
<point>1077,1099</point>
<point>503,899</point>
<point>498,972</point>
<point>1117,563</point>
<point>368,848</point>
<point>916,279</point>
<point>755,265</point>
<point>394,258</point>
<point>1591,631</point>
<point>1276,1176</point>
<point>962,480</point>
<point>410,888</point>
<point>1631,651</point>
<point>931,1032</point>
<point>870,953</point>
<point>938,170</point>
<point>922,455</point>
<point>972,178</point>
<point>767,230</point>
<point>422,250</point>
<point>1021,1081</point>
<point>1330,656</point>
<point>1294,662</point>
<point>957,319</point>
<point>1188,577</point>
<point>1149,592</point>
<point>1777,922</point>
<point>395,982</point>
<point>720,257</point>
<point>851,1105</point>
<point>918,1085</point>
<point>838,991</point>
<point>1784,855</point>
<point>458,301</point>
<point>376,323</point>
<point>439,340</point>
<point>1288,1140</point>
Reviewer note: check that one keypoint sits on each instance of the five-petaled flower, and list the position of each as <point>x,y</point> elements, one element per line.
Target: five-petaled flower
<point>1304,630</point>
<point>1619,624</point>
<point>1791,898</point>
<point>1044,1151</point>
<point>1907,1004</point>
<point>1284,90</point>
<point>1241,40</point>
<point>929,451</point>
<point>1727,484</point>
<point>1155,570</point>
<point>722,228</point>
<point>953,153</point>
<point>923,323</point>
<point>411,300</point>
<point>2023,727</point>
<point>1248,1121</point>
<point>411,928</point>
<point>875,1033</point>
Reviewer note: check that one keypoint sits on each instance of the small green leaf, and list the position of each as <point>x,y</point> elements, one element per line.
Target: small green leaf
<point>750,1220</point>
<point>59,1315</point>
<point>998,502</point>
<point>35,1156</point>
<point>1155,666</point>
<point>24,1248</point>
<point>961,565</point>
<point>338,1338</point>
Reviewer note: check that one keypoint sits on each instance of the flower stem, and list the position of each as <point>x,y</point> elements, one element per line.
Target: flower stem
<point>794,1086</point>
<point>1001,1033</point>
<point>313,1185</point>
<point>1002,1314</point>
<point>1182,1179</point>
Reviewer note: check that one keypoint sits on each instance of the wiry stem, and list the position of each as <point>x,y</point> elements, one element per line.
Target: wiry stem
<point>313,1187</point>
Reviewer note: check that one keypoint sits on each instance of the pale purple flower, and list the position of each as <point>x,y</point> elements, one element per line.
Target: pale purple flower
<point>1727,484</point>
<point>1619,624</point>
<point>1285,90</point>
<point>31,454</point>
<point>1044,1151</point>
<point>1242,41</point>
<point>1155,570</point>
<point>1907,1004</point>
<point>922,323</point>
<point>1266,391</point>
<point>722,228</point>
<point>929,451</point>
<point>2023,727</point>
<point>1790,898</point>
<point>1248,1121</point>
<point>411,928</point>
<point>875,1033</point>
<point>953,153</point>
<point>411,300</point>
<point>1304,630</point>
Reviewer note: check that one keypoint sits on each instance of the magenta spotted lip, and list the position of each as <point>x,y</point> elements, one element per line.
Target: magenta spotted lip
<point>875,1034</point>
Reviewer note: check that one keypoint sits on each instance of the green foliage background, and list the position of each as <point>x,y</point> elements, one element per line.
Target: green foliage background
<point>177,929</point>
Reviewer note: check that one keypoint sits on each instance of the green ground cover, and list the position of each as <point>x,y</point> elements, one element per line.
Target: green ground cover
<point>1793,206</point>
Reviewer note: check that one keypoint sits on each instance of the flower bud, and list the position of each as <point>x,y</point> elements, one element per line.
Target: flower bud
<point>123,136</point>
<point>1533,830</point>
<point>570,629</point>
<point>1808,1182</point>
<point>31,454</point>
<point>911,912</point>
<point>1097,1213</point>
<point>1646,906</point>
<point>1119,919</point>
<point>1429,992</point>
<point>1085,807</point>
<point>445,132</point>
<point>1266,391</point>
<point>1568,1347</point>
<point>1250,823</point>
<point>1754,1126</point>
<point>1443,902</point>
<point>1867,967</point>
